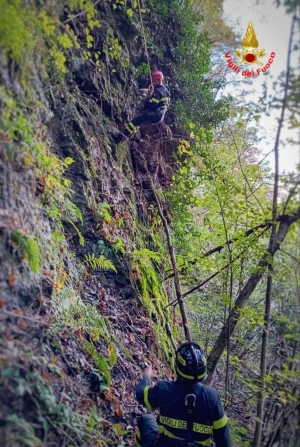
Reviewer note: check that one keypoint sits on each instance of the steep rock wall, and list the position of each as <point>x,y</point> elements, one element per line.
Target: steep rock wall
<point>76,332</point>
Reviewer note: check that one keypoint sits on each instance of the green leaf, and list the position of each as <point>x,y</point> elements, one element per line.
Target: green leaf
<point>130,12</point>
<point>120,430</point>
<point>289,336</point>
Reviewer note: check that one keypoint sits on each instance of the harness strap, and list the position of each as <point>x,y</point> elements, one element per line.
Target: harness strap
<point>190,402</point>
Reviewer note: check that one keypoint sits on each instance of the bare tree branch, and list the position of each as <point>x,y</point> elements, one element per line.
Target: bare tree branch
<point>290,255</point>
<point>246,292</point>
<point>220,247</point>
<point>291,193</point>
<point>173,262</point>
<point>206,280</point>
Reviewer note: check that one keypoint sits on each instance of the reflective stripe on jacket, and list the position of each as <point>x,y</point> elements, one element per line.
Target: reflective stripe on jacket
<point>159,100</point>
<point>209,416</point>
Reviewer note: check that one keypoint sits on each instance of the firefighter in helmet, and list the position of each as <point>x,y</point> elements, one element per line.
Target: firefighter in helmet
<point>190,413</point>
<point>157,99</point>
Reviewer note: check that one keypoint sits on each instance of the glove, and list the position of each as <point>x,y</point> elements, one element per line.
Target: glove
<point>147,92</point>
<point>148,372</point>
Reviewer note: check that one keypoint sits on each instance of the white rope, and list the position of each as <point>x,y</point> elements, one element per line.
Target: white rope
<point>145,42</point>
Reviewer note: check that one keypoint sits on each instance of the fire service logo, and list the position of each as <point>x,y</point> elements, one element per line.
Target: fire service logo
<point>249,55</point>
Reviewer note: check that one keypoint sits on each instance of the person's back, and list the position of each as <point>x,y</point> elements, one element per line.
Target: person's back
<point>190,412</point>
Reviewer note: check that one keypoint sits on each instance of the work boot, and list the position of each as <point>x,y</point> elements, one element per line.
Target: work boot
<point>117,137</point>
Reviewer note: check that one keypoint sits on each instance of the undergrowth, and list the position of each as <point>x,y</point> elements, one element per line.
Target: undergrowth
<point>40,38</point>
<point>52,413</point>
<point>145,274</point>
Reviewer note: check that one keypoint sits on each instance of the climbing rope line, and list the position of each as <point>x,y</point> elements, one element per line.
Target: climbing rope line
<point>145,42</point>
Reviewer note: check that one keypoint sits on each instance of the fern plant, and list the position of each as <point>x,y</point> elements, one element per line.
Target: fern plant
<point>72,212</point>
<point>122,347</point>
<point>145,255</point>
<point>142,262</point>
<point>99,263</point>
<point>104,211</point>
<point>80,236</point>
<point>72,311</point>
<point>28,247</point>
<point>119,245</point>
<point>112,355</point>
<point>99,360</point>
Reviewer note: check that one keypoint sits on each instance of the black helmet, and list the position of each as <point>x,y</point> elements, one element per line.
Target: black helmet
<point>190,362</point>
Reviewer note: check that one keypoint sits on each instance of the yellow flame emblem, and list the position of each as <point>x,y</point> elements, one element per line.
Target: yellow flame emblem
<point>250,40</point>
<point>249,55</point>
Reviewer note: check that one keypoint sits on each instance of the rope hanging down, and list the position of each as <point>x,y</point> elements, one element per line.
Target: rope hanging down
<point>145,42</point>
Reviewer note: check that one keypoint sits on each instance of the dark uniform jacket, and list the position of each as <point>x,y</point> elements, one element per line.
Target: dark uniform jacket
<point>209,417</point>
<point>159,100</point>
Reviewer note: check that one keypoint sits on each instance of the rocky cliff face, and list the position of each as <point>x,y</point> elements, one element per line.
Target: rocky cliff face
<point>82,259</point>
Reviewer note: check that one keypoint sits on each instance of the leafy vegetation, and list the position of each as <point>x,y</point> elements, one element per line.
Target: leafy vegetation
<point>99,263</point>
<point>77,336</point>
<point>32,386</point>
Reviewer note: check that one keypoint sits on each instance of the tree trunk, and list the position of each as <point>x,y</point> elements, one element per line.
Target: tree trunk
<point>263,363</point>
<point>174,266</point>
<point>265,340</point>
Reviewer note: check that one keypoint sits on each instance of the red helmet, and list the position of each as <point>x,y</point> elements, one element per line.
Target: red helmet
<point>157,75</point>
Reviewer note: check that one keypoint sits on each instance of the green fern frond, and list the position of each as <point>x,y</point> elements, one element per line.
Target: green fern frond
<point>81,238</point>
<point>28,246</point>
<point>122,347</point>
<point>106,264</point>
<point>79,315</point>
<point>72,212</point>
<point>119,244</point>
<point>99,360</point>
<point>72,311</point>
<point>104,211</point>
<point>112,355</point>
<point>106,216</point>
<point>99,263</point>
<point>145,255</point>
<point>150,285</point>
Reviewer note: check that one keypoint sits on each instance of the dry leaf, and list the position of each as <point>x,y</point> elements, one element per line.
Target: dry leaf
<point>119,411</point>
<point>87,402</point>
<point>108,396</point>
<point>12,279</point>
<point>4,360</point>
<point>59,286</point>
<point>21,324</point>
<point>46,375</point>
